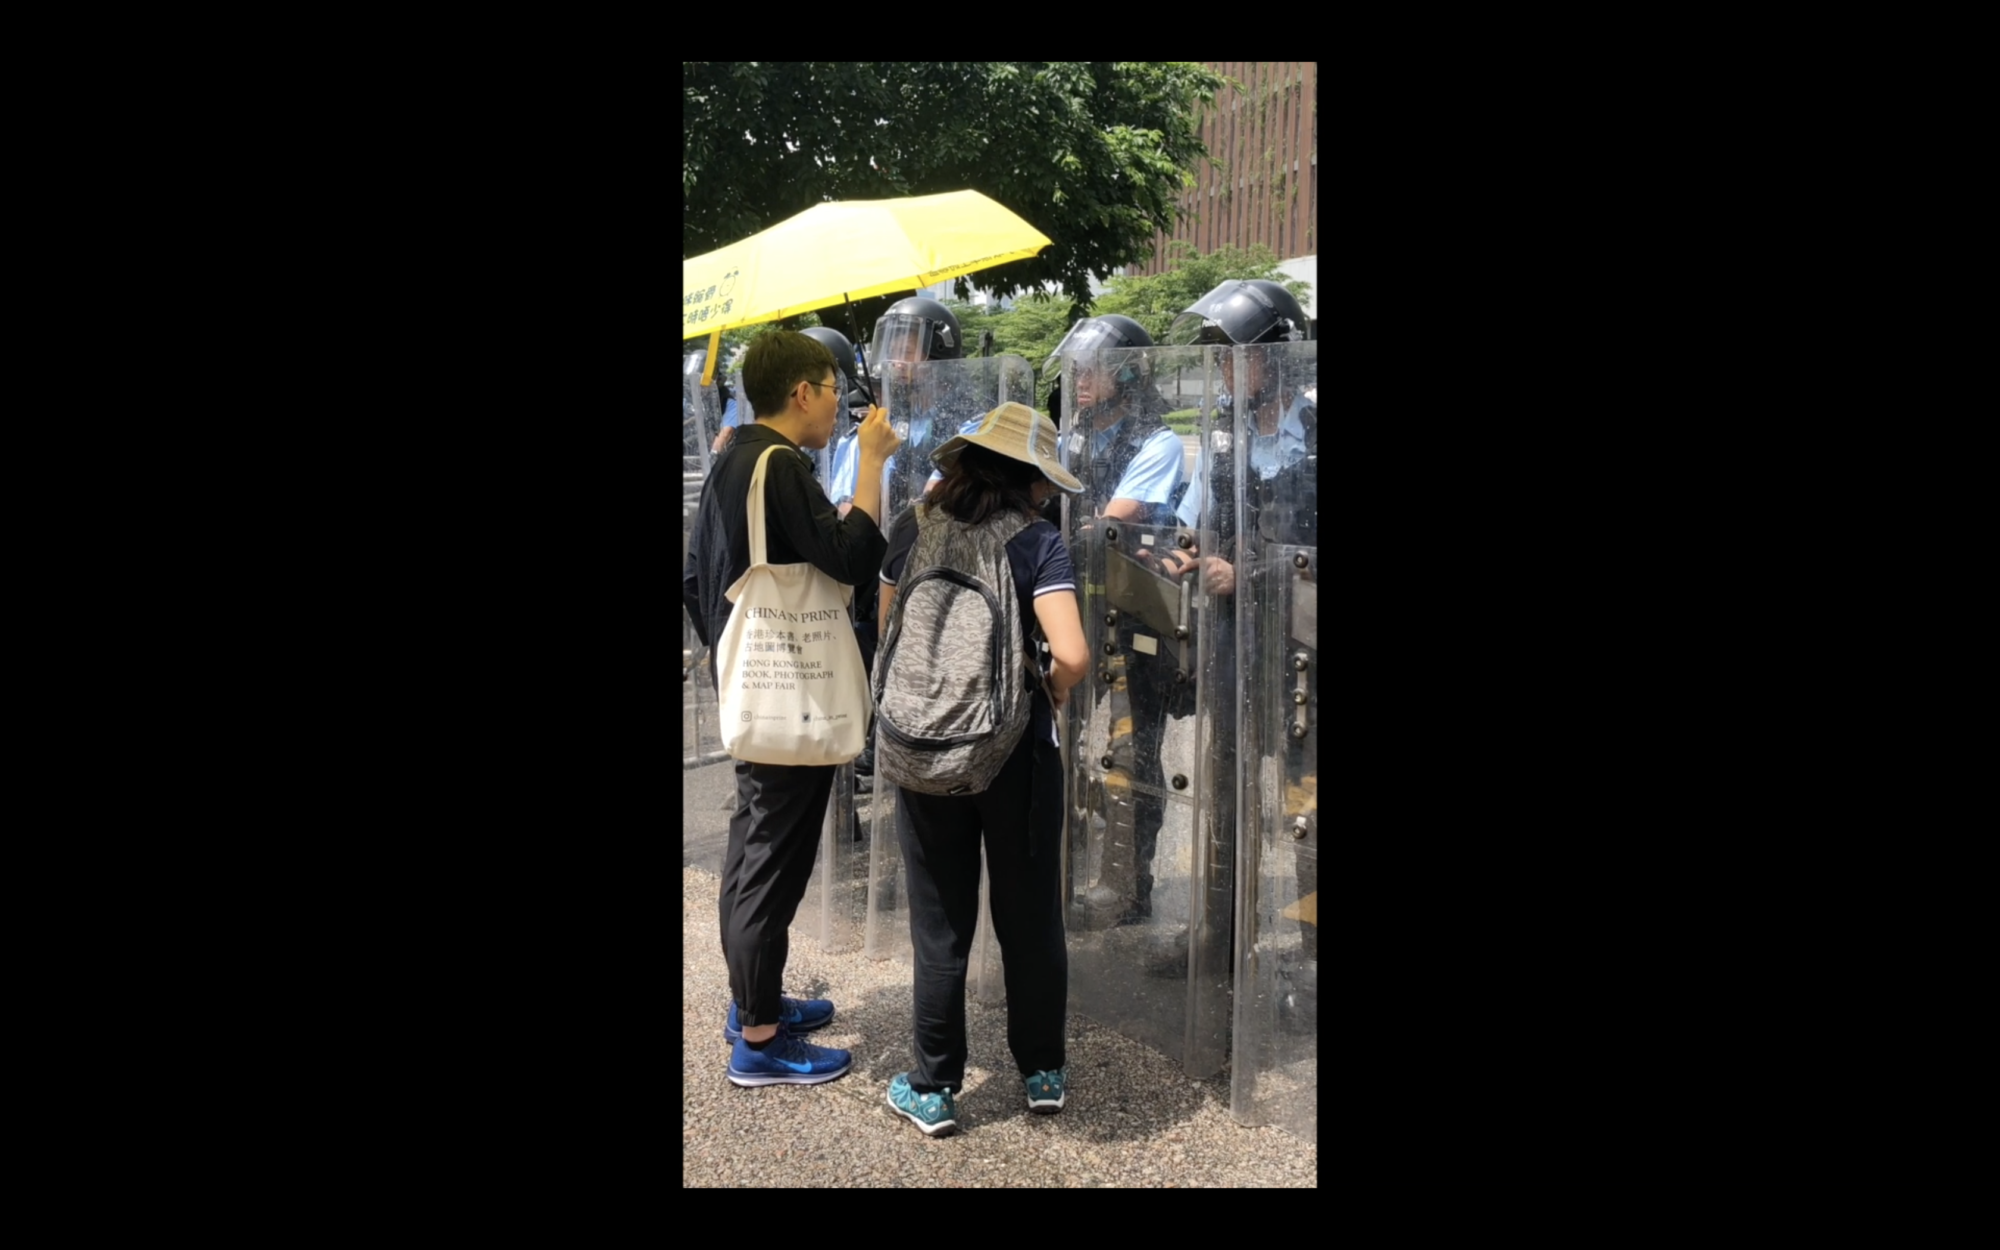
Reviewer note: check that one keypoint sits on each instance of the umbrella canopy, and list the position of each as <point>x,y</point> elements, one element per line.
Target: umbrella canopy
<point>849,250</point>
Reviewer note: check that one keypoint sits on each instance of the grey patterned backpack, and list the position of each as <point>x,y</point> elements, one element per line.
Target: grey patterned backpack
<point>953,677</point>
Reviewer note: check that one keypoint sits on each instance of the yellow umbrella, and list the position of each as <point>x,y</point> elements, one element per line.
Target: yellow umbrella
<point>848,250</point>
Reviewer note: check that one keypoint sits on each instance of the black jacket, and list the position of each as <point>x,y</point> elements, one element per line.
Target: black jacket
<point>801,526</point>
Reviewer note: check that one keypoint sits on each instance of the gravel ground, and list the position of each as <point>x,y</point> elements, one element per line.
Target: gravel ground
<point>1133,1118</point>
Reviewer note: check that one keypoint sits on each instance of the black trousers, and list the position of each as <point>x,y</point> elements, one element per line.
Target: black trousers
<point>1019,818</point>
<point>773,837</point>
<point>1151,698</point>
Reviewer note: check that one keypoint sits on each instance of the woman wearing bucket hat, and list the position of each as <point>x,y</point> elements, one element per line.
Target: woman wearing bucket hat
<point>994,477</point>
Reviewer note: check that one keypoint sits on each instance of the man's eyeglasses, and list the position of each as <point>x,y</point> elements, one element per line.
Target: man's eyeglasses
<point>823,385</point>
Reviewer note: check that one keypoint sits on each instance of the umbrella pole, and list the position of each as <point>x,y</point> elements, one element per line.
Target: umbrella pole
<point>854,326</point>
<point>714,347</point>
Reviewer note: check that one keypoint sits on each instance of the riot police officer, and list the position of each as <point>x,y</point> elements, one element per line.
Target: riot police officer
<point>842,462</point>
<point>840,476</point>
<point>915,329</point>
<point>1130,442</point>
<point>1277,455</point>
<point>1274,450</point>
<point>1137,463</point>
<point>912,331</point>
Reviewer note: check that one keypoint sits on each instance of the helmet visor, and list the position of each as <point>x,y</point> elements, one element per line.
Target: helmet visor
<point>1193,327</point>
<point>1198,323</point>
<point>900,336</point>
<point>1235,312</point>
<point>1084,339</point>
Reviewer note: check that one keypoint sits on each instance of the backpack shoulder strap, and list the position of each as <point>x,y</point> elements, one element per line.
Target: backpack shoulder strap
<point>1008,524</point>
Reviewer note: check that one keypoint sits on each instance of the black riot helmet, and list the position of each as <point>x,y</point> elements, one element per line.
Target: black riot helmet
<point>843,351</point>
<point>1087,337</point>
<point>916,329</point>
<point>1242,311</point>
<point>1096,334</point>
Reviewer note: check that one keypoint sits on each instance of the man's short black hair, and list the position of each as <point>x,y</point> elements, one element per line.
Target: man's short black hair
<point>778,360</point>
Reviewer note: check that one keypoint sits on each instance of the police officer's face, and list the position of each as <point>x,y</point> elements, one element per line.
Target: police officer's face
<point>1093,385</point>
<point>901,362</point>
<point>1256,374</point>
<point>901,344</point>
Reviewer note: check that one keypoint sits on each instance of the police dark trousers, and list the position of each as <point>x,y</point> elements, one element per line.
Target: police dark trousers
<point>774,834</point>
<point>1019,818</point>
<point>1151,697</point>
<point>1143,690</point>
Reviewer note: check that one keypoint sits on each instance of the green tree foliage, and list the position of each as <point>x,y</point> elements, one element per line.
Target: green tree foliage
<point>1154,300</point>
<point>1092,153</point>
<point>1034,325</point>
<point>1030,330</point>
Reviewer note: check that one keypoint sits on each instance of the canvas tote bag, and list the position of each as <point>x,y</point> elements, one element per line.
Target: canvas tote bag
<point>793,689</point>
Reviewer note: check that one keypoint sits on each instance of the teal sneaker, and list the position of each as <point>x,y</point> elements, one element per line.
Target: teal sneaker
<point>935,1114</point>
<point>1045,1090</point>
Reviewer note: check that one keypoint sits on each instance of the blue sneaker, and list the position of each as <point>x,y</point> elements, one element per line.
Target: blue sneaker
<point>935,1114</point>
<point>786,1061</point>
<point>1045,1091</point>
<point>798,1015</point>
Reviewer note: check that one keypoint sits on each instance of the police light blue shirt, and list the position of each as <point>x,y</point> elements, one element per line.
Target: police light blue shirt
<point>1155,471</point>
<point>1268,454</point>
<point>846,459</point>
<point>847,464</point>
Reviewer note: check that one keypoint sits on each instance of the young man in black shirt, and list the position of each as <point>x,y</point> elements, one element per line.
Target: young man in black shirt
<point>795,391</point>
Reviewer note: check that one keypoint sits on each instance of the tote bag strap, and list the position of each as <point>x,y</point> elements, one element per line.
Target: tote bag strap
<point>756,505</point>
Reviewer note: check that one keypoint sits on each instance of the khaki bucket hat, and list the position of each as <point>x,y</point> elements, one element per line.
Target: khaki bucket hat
<point>1017,432</point>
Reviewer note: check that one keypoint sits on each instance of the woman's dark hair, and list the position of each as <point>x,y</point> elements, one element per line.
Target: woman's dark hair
<point>983,482</point>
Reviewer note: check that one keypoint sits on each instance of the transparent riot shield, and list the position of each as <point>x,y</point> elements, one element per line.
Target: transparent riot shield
<point>1207,516</point>
<point>845,427</point>
<point>822,457</point>
<point>1141,847</point>
<point>928,403</point>
<point>1275,1072</point>
<point>833,912</point>
<point>700,741</point>
<point>700,418</point>
<point>709,793</point>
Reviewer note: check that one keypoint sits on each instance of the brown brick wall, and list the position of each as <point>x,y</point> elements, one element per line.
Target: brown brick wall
<point>1266,190</point>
